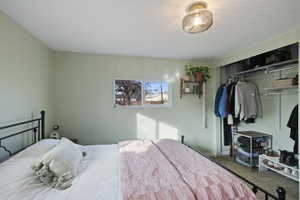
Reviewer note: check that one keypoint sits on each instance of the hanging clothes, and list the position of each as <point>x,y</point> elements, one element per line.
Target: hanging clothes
<point>223,103</point>
<point>238,101</point>
<point>232,120</point>
<point>221,110</point>
<point>293,125</point>
<point>217,99</point>
<point>234,102</point>
<point>247,101</point>
<point>231,93</point>
<point>227,132</point>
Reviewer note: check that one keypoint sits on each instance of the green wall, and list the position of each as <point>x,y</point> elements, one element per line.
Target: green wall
<point>25,73</point>
<point>83,85</point>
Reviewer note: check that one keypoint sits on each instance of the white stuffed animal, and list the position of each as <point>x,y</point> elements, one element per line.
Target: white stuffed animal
<point>54,134</point>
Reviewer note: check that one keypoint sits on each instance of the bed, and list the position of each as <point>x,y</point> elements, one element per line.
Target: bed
<point>130,170</point>
<point>23,185</point>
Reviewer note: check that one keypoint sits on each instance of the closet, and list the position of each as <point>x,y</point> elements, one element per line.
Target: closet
<point>274,73</point>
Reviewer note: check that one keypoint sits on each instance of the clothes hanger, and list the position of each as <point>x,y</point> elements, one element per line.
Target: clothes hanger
<point>229,80</point>
<point>242,79</point>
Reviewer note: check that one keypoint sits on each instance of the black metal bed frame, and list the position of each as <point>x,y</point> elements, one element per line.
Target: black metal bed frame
<point>37,130</point>
<point>255,188</point>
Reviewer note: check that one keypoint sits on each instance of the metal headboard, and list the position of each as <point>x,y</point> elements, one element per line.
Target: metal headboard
<point>37,130</point>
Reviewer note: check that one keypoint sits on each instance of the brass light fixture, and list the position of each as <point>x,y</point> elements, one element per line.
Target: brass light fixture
<point>198,18</point>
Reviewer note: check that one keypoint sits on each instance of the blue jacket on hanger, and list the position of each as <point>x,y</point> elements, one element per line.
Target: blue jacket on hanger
<point>223,103</point>
<point>217,100</point>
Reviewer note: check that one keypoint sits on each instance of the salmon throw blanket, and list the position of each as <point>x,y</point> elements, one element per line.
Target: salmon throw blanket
<point>167,170</point>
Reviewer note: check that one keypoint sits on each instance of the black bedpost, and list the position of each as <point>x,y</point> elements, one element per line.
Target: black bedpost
<point>254,189</point>
<point>43,123</point>
<point>34,135</point>
<point>182,139</point>
<point>281,193</point>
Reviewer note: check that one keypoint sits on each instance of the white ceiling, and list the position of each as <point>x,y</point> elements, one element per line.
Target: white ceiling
<point>151,27</point>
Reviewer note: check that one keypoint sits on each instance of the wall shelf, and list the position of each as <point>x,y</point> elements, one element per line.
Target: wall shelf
<point>194,86</point>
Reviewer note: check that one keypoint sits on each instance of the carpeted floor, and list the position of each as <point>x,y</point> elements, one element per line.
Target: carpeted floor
<point>267,180</point>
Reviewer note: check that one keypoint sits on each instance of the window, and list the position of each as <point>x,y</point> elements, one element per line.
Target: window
<point>128,92</point>
<point>137,93</point>
<point>156,92</point>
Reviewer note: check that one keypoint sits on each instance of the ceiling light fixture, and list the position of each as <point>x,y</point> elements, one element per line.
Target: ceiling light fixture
<point>198,18</point>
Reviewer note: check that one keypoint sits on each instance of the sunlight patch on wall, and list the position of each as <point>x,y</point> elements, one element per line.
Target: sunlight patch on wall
<point>148,128</point>
<point>167,131</point>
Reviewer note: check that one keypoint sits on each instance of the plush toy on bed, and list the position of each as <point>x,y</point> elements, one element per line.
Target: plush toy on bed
<point>58,167</point>
<point>55,134</point>
<point>50,179</point>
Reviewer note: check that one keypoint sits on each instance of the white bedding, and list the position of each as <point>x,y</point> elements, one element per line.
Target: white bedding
<point>98,177</point>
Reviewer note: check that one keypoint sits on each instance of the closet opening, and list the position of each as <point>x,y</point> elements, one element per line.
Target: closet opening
<point>257,104</point>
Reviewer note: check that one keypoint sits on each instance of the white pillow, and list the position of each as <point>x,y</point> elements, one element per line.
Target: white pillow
<point>63,158</point>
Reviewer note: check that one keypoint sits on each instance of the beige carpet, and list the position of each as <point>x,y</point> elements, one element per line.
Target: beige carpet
<point>267,180</point>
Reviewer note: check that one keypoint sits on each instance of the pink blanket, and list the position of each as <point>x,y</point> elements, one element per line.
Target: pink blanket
<point>167,170</point>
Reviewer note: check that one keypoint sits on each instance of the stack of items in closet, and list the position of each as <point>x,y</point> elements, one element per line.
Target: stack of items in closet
<point>247,152</point>
<point>237,101</point>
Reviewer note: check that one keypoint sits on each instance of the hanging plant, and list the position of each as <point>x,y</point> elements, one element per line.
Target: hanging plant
<point>200,73</point>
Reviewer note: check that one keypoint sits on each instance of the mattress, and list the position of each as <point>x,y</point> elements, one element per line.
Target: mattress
<point>98,177</point>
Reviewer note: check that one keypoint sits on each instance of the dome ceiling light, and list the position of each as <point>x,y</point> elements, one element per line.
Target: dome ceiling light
<point>198,18</point>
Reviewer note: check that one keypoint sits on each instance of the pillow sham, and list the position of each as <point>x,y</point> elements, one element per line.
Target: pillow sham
<point>58,167</point>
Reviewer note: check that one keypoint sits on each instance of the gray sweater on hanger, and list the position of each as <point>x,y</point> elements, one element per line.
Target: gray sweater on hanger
<point>247,101</point>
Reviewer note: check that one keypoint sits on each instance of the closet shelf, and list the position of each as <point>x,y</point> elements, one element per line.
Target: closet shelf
<point>277,91</point>
<point>268,67</point>
<point>280,89</point>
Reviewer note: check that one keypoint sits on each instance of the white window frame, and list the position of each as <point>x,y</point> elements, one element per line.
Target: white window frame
<point>170,95</point>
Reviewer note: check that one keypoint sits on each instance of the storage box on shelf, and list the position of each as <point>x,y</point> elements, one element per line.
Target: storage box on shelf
<point>248,145</point>
<point>272,163</point>
<point>284,83</point>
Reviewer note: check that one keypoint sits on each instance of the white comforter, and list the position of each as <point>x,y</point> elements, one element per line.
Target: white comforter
<point>98,177</point>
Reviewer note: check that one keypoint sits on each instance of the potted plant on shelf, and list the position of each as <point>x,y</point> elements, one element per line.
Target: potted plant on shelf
<point>199,73</point>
